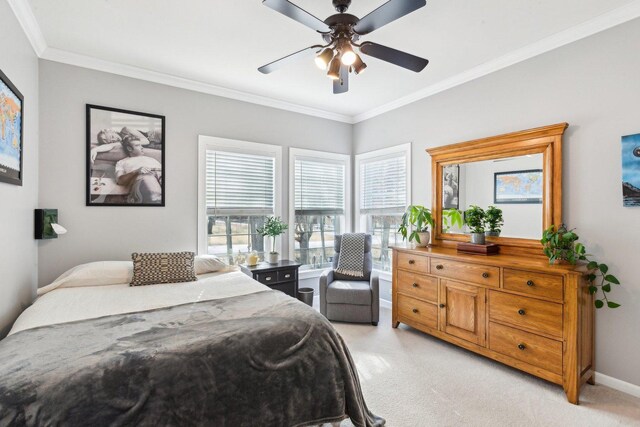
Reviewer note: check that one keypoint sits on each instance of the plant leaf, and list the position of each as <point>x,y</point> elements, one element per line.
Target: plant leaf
<point>612,304</point>
<point>611,278</point>
<point>603,268</point>
<point>593,290</point>
<point>592,265</point>
<point>599,303</point>
<point>606,288</point>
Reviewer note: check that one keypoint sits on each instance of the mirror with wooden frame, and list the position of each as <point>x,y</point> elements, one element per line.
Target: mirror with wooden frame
<point>519,173</point>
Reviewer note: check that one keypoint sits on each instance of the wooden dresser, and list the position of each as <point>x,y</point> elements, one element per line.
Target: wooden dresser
<point>517,310</point>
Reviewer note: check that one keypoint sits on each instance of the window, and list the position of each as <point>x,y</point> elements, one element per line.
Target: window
<point>319,185</point>
<point>239,188</point>
<point>383,185</point>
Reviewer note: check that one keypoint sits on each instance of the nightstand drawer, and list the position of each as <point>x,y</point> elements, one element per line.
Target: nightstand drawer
<point>466,272</point>
<point>288,288</point>
<point>269,278</point>
<point>286,275</point>
<point>533,314</point>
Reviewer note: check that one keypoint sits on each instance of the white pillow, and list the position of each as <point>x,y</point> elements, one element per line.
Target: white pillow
<point>208,264</point>
<point>99,273</point>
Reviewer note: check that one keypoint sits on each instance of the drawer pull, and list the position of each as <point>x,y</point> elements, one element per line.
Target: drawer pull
<point>415,310</point>
<point>415,285</point>
<point>439,267</point>
<point>485,275</point>
<point>530,283</point>
<point>268,279</point>
<point>412,261</point>
<point>286,276</point>
<point>521,312</point>
<point>442,306</point>
<point>522,346</point>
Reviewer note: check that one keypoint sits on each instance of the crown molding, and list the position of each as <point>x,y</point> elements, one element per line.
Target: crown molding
<point>27,20</point>
<point>66,57</point>
<point>603,22</point>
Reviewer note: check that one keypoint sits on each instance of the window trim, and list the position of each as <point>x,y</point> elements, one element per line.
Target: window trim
<point>301,152</point>
<point>371,155</point>
<point>232,145</point>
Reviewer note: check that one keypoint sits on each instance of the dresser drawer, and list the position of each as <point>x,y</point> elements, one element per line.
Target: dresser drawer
<point>538,316</point>
<point>539,351</point>
<point>474,273</point>
<point>537,284</point>
<point>413,310</point>
<point>417,285</point>
<point>286,275</point>
<point>418,263</point>
<point>267,278</point>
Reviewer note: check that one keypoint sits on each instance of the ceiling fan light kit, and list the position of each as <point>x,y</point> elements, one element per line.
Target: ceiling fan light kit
<point>341,33</point>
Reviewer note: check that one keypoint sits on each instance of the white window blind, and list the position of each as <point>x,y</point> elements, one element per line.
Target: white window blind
<point>239,184</point>
<point>383,183</point>
<point>319,187</point>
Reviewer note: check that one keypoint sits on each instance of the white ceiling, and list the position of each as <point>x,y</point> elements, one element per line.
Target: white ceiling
<point>223,42</point>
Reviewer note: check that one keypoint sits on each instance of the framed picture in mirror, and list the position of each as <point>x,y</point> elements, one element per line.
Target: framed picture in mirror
<point>451,187</point>
<point>523,186</point>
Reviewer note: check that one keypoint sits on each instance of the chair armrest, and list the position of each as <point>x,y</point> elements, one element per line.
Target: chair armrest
<point>375,296</point>
<point>325,280</point>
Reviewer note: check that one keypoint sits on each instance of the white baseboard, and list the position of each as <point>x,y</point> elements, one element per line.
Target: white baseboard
<point>384,303</point>
<point>617,384</point>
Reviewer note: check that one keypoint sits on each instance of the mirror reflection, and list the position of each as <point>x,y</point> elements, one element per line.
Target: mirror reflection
<point>512,184</point>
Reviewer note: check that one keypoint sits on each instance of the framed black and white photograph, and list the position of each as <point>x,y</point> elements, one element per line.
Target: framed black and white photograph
<point>450,187</point>
<point>11,119</point>
<point>515,187</point>
<point>125,157</point>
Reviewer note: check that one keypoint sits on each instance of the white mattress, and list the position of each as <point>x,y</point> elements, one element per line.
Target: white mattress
<point>78,303</point>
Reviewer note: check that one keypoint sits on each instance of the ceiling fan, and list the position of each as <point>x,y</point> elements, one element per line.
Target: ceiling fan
<point>341,33</point>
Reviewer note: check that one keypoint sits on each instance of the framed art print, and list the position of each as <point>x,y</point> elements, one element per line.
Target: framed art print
<point>523,186</point>
<point>631,170</point>
<point>125,158</point>
<point>450,187</point>
<point>11,132</point>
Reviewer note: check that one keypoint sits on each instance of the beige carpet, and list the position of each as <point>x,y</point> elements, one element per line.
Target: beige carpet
<point>412,379</point>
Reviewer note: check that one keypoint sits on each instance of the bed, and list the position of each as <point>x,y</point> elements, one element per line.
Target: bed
<point>220,351</point>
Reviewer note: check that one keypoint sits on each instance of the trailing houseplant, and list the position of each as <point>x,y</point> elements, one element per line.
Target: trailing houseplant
<point>451,218</point>
<point>474,217</point>
<point>273,227</point>
<point>493,221</point>
<point>419,218</point>
<point>561,245</point>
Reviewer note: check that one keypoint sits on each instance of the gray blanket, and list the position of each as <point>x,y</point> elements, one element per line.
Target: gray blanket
<point>263,359</point>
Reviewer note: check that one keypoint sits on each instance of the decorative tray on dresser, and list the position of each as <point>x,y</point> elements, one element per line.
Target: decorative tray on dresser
<point>514,309</point>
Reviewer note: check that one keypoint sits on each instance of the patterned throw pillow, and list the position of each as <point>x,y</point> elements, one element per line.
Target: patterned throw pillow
<point>170,267</point>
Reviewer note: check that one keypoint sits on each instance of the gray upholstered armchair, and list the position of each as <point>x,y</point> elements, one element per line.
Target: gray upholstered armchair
<point>346,299</point>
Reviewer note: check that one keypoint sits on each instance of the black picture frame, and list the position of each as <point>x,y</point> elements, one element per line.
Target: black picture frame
<point>109,127</point>
<point>9,174</point>
<point>524,200</point>
<point>451,173</point>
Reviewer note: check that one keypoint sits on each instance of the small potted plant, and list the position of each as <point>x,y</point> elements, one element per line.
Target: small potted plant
<point>493,221</point>
<point>420,218</point>
<point>560,246</point>
<point>273,227</point>
<point>475,218</point>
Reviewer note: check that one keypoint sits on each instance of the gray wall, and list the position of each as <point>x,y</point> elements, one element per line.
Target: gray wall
<point>98,233</point>
<point>18,249</point>
<point>591,84</point>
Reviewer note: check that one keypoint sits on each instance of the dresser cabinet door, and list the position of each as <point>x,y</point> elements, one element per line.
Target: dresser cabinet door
<point>462,311</point>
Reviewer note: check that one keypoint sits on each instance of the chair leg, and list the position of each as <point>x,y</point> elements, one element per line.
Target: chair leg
<point>374,323</point>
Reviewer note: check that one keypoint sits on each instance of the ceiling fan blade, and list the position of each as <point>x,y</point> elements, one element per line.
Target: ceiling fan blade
<point>341,85</point>
<point>279,63</point>
<point>296,13</point>
<point>388,12</point>
<point>394,56</point>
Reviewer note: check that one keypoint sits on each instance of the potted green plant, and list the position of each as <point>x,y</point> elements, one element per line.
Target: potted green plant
<point>560,246</point>
<point>273,227</point>
<point>451,218</point>
<point>493,221</point>
<point>420,219</point>
<point>474,217</point>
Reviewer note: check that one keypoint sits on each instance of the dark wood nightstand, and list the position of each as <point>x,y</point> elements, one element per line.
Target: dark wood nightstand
<point>282,276</point>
